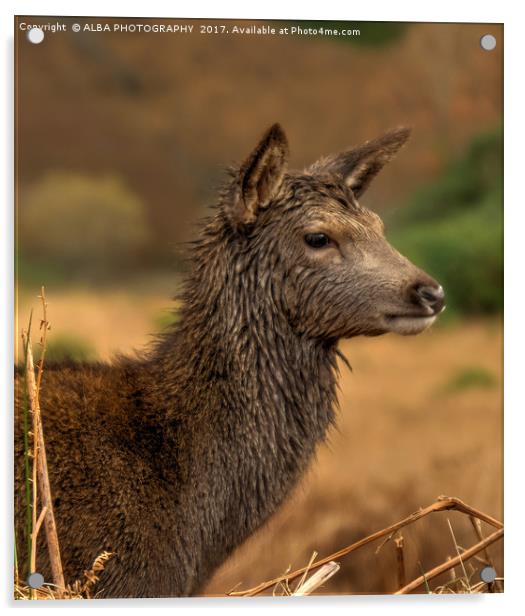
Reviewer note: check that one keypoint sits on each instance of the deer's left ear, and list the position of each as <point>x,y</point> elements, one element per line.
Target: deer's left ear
<point>360,165</point>
<point>260,177</point>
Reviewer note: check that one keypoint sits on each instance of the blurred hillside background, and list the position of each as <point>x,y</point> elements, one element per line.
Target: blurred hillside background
<point>121,143</point>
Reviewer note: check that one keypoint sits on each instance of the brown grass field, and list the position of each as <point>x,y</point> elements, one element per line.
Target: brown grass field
<point>418,417</point>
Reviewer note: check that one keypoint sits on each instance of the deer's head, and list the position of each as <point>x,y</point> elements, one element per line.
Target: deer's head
<point>333,272</point>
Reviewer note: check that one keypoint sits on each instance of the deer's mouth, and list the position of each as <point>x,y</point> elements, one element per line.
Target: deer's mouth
<point>408,324</point>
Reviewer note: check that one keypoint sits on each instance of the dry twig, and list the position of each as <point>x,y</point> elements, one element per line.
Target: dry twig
<point>443,503</point>
<point>461,558</point>
<point>40,460</point>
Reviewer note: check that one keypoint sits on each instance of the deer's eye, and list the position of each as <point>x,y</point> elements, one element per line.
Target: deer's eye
<point>317,240</point>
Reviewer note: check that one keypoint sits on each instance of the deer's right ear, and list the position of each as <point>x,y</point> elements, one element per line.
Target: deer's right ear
<point>359,166</point>
<point>260,178</point>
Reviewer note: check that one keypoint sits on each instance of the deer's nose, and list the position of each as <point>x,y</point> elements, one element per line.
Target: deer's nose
<point>431,296</point>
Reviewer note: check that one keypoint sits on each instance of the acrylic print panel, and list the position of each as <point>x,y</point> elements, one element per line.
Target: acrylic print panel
<point>314,194</point>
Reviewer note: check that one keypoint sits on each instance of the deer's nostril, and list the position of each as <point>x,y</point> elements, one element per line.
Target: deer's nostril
<point>431,296</point>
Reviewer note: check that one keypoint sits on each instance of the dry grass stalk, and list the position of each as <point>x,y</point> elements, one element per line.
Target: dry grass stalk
<point>34,478</point>
<point>308,567</point>
<point>316,580</point>
<point>282,589</point>
<point>453,562</point>
<point>487,559</point>
<point>80,589</point>
<point>85,588</point>
<point>459,586</point>
<point>458,552</point>
<point>443,503</point>
<point>400,561</point>
<point>39,523</point>
<point>35,408</point>
<point>306,585</point>
<point>40,473</point>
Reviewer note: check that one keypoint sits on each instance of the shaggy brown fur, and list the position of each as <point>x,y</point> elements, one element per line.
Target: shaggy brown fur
<point>173,460</point>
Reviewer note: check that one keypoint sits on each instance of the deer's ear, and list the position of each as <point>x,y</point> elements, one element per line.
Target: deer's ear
<point>360,165</point>
<point>260,177</point>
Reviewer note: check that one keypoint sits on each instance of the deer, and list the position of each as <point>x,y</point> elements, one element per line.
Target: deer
<point>172,458</point>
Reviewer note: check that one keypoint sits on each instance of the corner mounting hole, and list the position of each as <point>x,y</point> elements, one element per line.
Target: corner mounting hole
<point>35,580</point>
<point>488,42</point>
<point>487,575</point>
<point>35,35</point>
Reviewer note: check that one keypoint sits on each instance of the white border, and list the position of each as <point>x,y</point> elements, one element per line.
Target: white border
<point>380,10</point>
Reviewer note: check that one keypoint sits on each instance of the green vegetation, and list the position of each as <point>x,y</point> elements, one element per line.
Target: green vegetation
<point>165,319</point>
<point>30,272</point>
<point>27,455</point>
<point>72,226</point>
<point>473,377</point>
<point>453,228</point>
<point>67,347</point>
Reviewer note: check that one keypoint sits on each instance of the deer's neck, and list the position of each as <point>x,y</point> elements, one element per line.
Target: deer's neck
<point>249,397</point>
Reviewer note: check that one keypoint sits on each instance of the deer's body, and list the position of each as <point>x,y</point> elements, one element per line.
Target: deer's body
<point>173,460</point>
